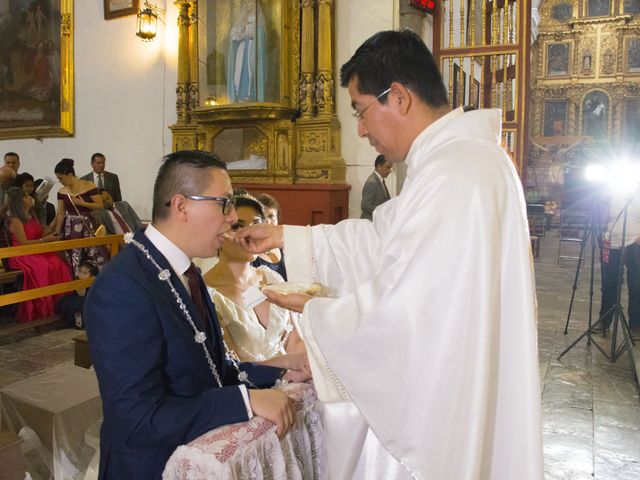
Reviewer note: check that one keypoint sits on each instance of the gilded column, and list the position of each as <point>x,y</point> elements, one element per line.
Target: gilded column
<point>307,60</point>
<point>324,80</point>
<point>182,90</point>
<point>194,80</point>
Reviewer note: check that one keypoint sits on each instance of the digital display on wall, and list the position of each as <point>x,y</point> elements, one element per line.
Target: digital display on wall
<point>426,6</point>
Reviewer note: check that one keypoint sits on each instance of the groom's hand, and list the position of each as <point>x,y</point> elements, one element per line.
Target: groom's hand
<point>274,406</point>
<point>260,238</point>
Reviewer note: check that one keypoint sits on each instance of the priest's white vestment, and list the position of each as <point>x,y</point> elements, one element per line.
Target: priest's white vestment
<point>428,352</point>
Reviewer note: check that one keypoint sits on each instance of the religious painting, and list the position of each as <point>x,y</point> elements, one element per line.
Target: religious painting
<point>242,48</point>
<point>587,62</point>
<point>555,118</point>
<point>558,59</point>
<point>632,120</point>
<point>632,54</point>
<point>595,115</point>
<point>598,8</point>
<point>119,8</point>
<point>36,68</point>
<point>475,95</point>
<point>632,6</point>
<point>562,12</point>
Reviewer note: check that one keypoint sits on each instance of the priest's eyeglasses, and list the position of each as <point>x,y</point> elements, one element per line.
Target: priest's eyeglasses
<point>226,202</point>
<point>359,114</point>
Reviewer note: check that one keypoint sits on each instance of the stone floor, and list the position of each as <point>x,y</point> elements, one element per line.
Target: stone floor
<point>590,406</point>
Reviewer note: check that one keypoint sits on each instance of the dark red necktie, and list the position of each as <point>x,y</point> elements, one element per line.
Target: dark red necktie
<point>194,279</point>
<point>385,189</point>
<point>123,225</point>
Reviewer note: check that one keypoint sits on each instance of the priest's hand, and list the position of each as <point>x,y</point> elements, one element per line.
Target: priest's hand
<point>274,406</point>
<point>292,301</point>
<point>260,238</point>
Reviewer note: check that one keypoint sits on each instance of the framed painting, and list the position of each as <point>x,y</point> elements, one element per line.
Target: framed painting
<point>632,55</point>
<point>555,118</point>
<point>119,8</point>
<point>557,59</point>
<point>595,115</point>
<point>475,94</point>
<point>632,120</point>
<point>631,6</point>
<point>36,69</point>
<point>455,99</point>
<point>598,8</point>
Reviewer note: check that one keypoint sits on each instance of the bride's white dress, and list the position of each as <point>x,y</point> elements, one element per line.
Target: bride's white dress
<point>254,342</point>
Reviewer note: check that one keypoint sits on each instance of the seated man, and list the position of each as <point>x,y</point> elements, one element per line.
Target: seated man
<point>154,336</point>
<point>117,217</point>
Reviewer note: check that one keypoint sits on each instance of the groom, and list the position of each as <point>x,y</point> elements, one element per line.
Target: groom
<point>162,383</point>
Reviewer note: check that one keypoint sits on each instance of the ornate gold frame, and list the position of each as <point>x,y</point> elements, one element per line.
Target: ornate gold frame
<point>570,55</point>
<point>66,126</point>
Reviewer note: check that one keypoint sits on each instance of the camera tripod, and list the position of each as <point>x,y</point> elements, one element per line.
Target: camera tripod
<point>593,233</point>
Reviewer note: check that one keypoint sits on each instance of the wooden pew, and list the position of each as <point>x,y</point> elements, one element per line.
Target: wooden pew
<point>112,241</point>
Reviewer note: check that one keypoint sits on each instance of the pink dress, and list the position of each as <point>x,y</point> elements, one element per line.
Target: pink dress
<point>39,270</point>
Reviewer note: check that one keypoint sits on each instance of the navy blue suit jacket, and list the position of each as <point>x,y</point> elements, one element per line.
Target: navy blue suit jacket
<point>156,386</point>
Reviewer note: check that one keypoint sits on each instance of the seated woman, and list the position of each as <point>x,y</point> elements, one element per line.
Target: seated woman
<point>254,333</point>
<point>273,259</point>
<point>77,199</point>
<point>40,269</point>
<point>26,181</point>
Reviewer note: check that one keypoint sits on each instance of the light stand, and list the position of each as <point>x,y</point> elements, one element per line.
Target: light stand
<point>618,311</point>
<point>592,232</point>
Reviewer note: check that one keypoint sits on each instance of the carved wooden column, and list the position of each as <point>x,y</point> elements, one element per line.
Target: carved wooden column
<point>194,79</point>
<point>324,80</point>
<point>182,89</point>
<point>307,60</point>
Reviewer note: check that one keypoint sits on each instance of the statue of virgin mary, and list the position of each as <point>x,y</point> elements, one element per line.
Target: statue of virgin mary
<point>246,59</point>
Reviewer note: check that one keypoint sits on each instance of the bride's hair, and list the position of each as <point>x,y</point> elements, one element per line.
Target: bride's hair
<point>248,200</point>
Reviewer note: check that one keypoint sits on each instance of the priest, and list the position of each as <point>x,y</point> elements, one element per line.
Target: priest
<point>426,356</point>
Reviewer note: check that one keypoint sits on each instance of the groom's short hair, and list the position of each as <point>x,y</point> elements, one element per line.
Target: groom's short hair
<point>181,173</point>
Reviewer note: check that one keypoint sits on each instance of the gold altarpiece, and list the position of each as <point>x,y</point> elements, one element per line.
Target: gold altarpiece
<point>585,94</point>
<point>256,86</point>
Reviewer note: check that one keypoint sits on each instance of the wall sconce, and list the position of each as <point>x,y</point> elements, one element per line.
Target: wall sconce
<point>148,21</point>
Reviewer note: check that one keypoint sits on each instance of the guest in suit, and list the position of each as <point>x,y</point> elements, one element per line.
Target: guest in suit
<point>103,179</point>
<point>117,217</point>
<point>375,190</point>
<point>164,379</point>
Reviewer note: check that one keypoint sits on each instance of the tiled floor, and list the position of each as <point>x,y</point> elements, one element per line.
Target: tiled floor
<point>591,408</point>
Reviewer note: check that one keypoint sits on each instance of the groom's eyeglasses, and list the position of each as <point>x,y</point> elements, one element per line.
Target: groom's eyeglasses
<point>227,203</point>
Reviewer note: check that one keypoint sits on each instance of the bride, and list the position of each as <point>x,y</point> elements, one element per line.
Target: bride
<point>254,329</point>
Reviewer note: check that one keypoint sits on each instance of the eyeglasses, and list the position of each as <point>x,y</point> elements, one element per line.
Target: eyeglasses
<point>226,202</point>
<point>359,114</point>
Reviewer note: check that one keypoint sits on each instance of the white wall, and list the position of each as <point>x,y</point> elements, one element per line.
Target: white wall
<point>354,24</point>
<point>124,99</point>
